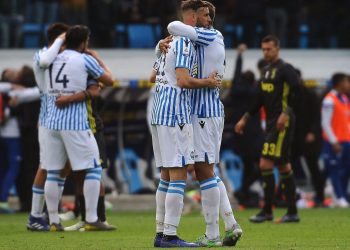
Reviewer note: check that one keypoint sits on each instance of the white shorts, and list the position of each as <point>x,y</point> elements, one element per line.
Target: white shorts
<point>207,135</point>
<point>42,134</point>
<point>172,146</point>
<point>79,147</point>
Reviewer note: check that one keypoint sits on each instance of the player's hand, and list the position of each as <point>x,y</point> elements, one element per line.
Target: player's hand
<point>92,53</point>
<point>164,44</point>
<point>310,137</point>
<point>214,80</point>
<point>282,121</point>
<point>239,127</point>
<point>337,147</point>
<point>13,101</point>
<point>241,48</point>
<point>62,100</point>
<point>62,36</point>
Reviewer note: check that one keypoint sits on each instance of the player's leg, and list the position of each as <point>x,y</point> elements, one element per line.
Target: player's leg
<point>176,144</point>
<point>36,221</point>
<point>101,210</point>
<point>160,204</point>
<point>268,183</point>
<point>53,163</point>
<point>289,189</point>
<point>210,198</point>
<point>13,149</point>
<point>86,159</point>
<point>204,141</point>
<point>78,177</point>
<point>162,187</point>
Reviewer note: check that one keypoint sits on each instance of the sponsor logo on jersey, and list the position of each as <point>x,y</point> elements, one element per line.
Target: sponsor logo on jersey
<point>267,87</point>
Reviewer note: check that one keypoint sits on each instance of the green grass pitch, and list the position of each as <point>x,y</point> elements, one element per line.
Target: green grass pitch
<point>318,229</point>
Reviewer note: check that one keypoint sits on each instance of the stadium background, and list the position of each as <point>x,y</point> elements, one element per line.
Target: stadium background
<point>125,33</point>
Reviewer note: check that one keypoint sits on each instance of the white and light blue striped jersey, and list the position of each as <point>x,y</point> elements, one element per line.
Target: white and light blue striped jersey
<point>211,57</point>
<point>68,75</point>
<point>39,74</point>
<point>171,104</point>
<point>205,36</point>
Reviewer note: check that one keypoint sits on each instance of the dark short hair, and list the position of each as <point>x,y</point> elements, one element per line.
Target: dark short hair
<point>271,38</point>
<point>211,8</point>
<point>192,5</point>
<point>338,78</point>
<point>54,30</point>
<point>248,77</point>
<point>76,35</point>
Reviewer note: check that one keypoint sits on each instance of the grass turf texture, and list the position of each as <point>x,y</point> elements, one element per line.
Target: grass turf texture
<point>318,229</point>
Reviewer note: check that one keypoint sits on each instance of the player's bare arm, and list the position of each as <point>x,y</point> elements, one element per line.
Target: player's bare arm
<point>106,78</point>
<point>184,80</point>
<point>93,91</point>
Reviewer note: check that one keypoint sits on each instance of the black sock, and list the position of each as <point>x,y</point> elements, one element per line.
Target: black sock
<point>289,189</point>
<point>269,189</point>
<point>101,210</point>
<point>82,207</point>
<point>76,206</point>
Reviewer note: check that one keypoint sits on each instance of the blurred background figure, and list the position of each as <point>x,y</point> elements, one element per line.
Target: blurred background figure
<point>10,143</point>
<point>243,93</point>
<point>335,123</point>
<point>307,143</point>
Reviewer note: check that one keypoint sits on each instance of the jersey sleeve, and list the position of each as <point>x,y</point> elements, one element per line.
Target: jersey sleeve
<point>91,81</point>
<point>92,67</point>
<point>26,95</point>
<point>183,53</point>
<point>46,57</point>
<point>201,36</point>
<point>326,119</point>
<point>293,80</point>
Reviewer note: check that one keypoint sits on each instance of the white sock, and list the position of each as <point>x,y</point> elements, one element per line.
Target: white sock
<point>91,192</point>
<point>210,195</point>
<point>61,186</point>
<point>38,200</point>
<point>160,201</point>
<point>225,206</point>
<point>173,206</point>
<point>52,194</point>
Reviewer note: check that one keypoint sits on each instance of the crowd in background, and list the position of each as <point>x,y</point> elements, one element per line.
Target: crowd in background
<point>323,22</point>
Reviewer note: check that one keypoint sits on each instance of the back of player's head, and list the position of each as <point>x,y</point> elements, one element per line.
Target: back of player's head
<point>248,77</point>
<point>54,30</point>
<point>192,5</point>
<point>76,35</point>
<point>337,78</point>
<point>271,38</point>
<point>211,8</point>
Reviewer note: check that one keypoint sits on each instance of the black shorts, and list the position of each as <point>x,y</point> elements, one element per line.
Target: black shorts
<point>277,145</point>
<point>100,139</point>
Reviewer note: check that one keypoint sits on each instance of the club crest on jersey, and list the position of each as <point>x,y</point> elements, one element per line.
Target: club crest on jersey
<point>185,51</point>
<point>192,155</point>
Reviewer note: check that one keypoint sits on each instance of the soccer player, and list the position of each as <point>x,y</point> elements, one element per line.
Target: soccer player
<point>42,59</point>
<point>96,124</point>
<point>172,132</point>
<point>336,134</point>
<point>208,124</point>
<point>278,91</point>
<point>69,134</point>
